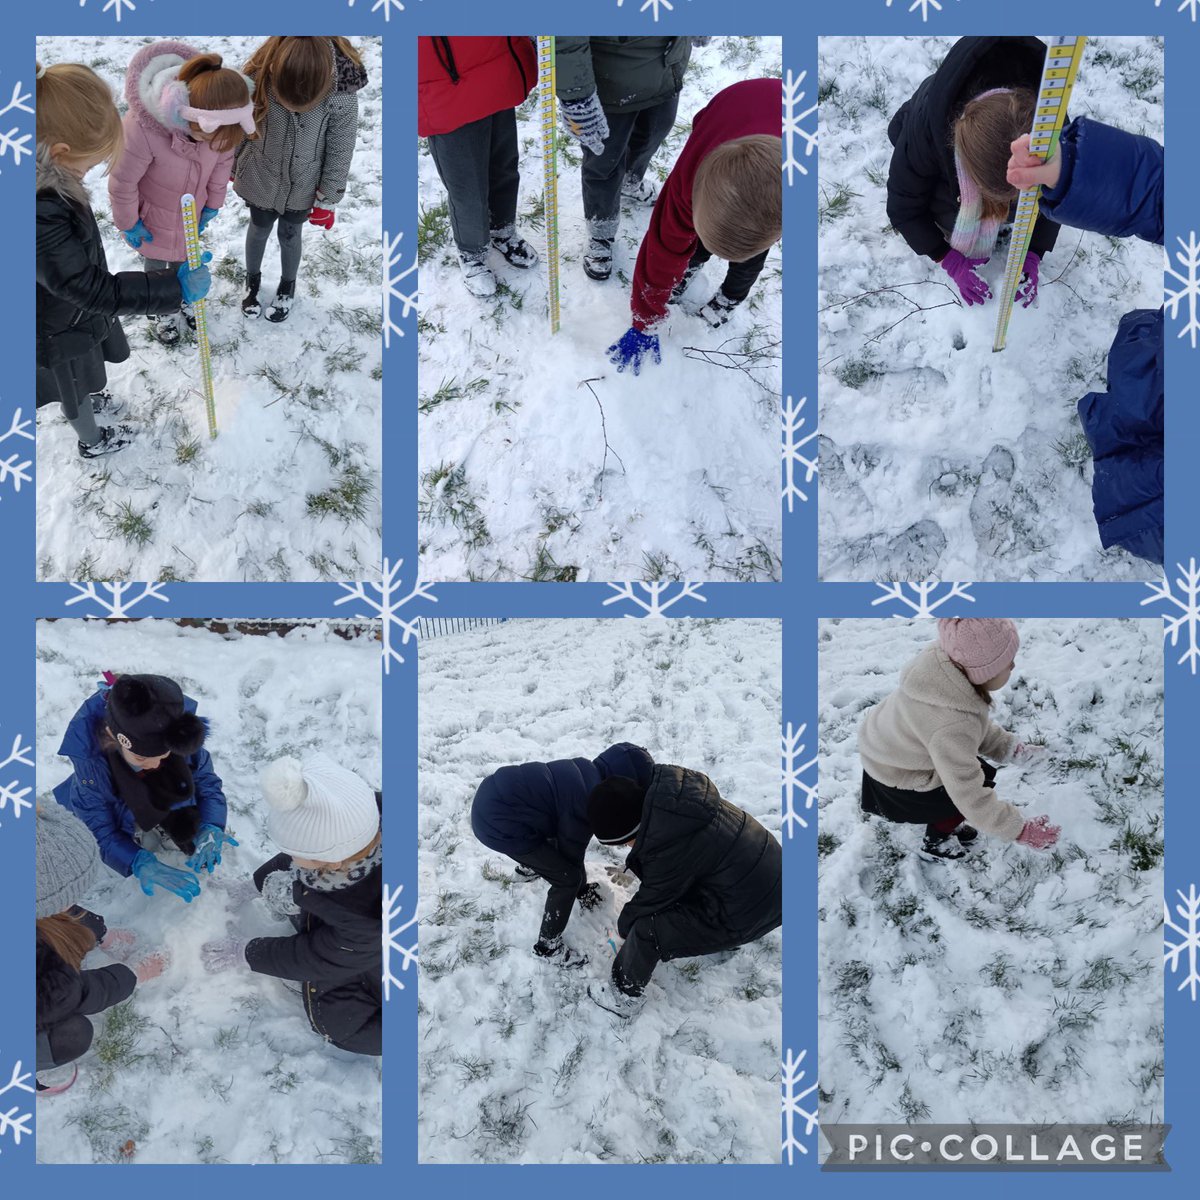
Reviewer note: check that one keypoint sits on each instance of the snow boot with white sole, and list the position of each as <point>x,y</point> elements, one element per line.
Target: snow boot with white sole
<point>516,250</point>
<point>717,311</point>
<point>279,308</point>
<point>942,846</point>
<point>478,278</point>
<point>621,1004</point>
<point>105,404</point>
<point>598,259</point>
<point>112,439</point>
<point>552,951</point>
<point>251,305</point>
<point>639,191</point>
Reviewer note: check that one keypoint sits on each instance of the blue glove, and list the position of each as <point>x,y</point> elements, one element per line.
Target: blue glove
<point>151,874</point>
<point>137,235</point>
<point>633,347</point>
<point>195,284</point>
<point>209,841</point>
<point>206,215</point>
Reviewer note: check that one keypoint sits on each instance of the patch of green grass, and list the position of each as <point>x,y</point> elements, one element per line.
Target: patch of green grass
<point>433,230</point>
<point>127,523</point>
<point>835,203</point>
<point>447,498</point>
<point>449,390</point>
<point>856,371</point>
<point>347,499</point>
<point>187,450</point>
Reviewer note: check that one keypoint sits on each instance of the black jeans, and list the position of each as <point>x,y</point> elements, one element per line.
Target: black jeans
<point>632,140</point>
<point>477,164</point>
<point>906,807</point>
<point>739,278</point>
<point>566,879</point>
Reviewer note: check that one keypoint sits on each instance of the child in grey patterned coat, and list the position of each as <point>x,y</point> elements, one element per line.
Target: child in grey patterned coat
<point>306,113</point>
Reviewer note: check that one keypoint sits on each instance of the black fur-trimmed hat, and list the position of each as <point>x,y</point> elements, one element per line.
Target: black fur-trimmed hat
<point>147,716</point>
<point>615,810</point>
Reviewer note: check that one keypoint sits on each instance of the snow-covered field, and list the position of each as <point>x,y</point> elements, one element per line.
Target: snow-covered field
<point>177,1069</point>
<point>1012,985</point>
<point>938,457</point>
<point>537,459</point>
<point>289,490</point>
<point>516,1062</point>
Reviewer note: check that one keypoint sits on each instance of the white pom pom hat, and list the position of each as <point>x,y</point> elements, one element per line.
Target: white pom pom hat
<point>318,810</point>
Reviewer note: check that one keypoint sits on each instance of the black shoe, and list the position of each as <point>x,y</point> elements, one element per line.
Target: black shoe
<point>189,315</point>
<point>718,310</point>
<point>166,329</point>
<point>104,404</point>
<point>281,306</point>
<point>943,846</point>
<point>112,439</point>
<point>251,306</point>
<point>516,250</point>
<point>554,952</point>
<point>683,285</point>
<point>966,834</point>
<point>526,874</point>
<point>598,259</point>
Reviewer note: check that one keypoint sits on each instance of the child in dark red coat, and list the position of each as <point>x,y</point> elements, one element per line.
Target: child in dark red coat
<point>468,91</point>
<point>724,196</point>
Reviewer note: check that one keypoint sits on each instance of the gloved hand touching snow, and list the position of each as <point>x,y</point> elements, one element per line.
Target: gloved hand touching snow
<point>277,894</point>
<point>151,873</point>
<point>586,121</point>
<point>137,235</point>
<point>209,841</point>
<point>962,270</point>
<point>1025,169</point>
<point>195,284</point>
<point>1027,289</point>
<point>1039,834</point>
<point>632,349</point>
<point>222,954</point>
<point>206,215</point>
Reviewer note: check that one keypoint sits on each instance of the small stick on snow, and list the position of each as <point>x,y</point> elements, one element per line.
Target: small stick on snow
<point>587,383</point>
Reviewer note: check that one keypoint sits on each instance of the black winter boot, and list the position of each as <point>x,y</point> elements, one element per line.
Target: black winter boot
<point>941,845</point>
<point>251,306</point>
<point>281,306</point>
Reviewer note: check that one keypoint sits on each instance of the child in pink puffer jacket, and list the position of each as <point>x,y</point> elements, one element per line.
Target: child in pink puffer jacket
<point>187,115</point>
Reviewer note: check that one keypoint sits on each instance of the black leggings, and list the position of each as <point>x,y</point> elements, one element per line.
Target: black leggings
<point>291,225</point>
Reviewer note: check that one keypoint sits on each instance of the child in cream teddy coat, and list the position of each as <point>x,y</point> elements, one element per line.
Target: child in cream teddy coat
<point>925,747</point>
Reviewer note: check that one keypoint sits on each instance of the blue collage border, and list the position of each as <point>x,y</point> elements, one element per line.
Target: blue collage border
<point>799,600</point>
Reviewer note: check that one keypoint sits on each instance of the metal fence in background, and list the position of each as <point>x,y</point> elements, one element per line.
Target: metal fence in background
<point>430,627</point>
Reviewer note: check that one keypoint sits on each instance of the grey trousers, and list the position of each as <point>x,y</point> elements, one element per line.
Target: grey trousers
<point>632,141</point>
<point>291,228</point>
<point>478,167</point>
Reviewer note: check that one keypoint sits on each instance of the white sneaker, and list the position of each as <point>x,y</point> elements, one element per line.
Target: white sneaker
<point>478,277</point>
<point>609,997</point>
<point>640,191</point>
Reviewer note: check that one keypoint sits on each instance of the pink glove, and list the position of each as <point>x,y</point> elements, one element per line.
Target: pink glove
<point>1026,752</point>
<point>1039,834</point>
<point>152,966</point>
<point>322,217</point>
<point>1028,287</point>
<point>962,271</point>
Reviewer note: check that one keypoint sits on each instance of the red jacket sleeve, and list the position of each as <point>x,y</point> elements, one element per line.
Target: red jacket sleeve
<point>665,253</point>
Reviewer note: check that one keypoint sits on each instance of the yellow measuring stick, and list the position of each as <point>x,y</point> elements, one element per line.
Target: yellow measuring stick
<point>1058,77</point>
<point>548,103</point>
<point>191,237</point>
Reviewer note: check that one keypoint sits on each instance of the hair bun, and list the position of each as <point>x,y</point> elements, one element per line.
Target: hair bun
<point>283,784</point>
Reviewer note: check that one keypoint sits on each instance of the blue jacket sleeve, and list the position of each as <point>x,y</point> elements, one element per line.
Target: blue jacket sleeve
<point>95,803</point>
<point>210,794</point>
<point>1111,182</point>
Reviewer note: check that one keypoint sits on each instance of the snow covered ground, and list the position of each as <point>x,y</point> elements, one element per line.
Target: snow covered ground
<point>178,1068</point>
<point>939,458</point>
<point>516,1062</point>
<point>289,490</point>
<point>1012,985</point>
<point>537,460</point>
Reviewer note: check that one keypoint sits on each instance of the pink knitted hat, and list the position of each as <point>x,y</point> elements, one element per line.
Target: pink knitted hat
<point>982,646</point>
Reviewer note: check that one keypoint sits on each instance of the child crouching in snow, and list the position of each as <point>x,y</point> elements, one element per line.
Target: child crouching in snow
<point>924,747</point>
<point>187,114</point>
<point>328,883</point>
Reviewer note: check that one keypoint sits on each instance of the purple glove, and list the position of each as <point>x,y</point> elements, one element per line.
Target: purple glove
<point>222,954</point>
<point>962,271</point>
<point>1027,288</point>
<point>633,347</point>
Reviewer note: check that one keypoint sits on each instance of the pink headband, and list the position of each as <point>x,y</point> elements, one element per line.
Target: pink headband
<point>211,119</point>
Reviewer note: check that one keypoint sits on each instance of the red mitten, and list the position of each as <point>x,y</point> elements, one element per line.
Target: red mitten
<point>1039,834</point>
<point>322,217</point>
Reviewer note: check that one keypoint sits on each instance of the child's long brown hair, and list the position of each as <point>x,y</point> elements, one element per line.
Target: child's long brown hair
<point>983,136</point>
<point>297,71</point>
<point>75,106</point>
<point>213,86</point>
<point>68,937</point>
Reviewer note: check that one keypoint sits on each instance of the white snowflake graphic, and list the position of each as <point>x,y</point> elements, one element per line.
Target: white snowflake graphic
<point>13,141</point>
<point>793,127</point>
<point>925,6</point>
<point>115,599</point>
<point>657,596</point>
<point>14,1121</point>
<point>1187,295</point>
<point>393,277</point>
<point>388,588</point>
<point>655,5</point>
<point>12,468</point>
<point>795,785</point>
<point>13,796</point>
<point>1187,949</point>
<point>793,1107</point>
<point>114,6</point>
<point>392,929</point>
<point>924,601</point>
<point>386,6</point>
<point>1187,614</point>
<point>1191,5</point>
<point>793,445</point>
